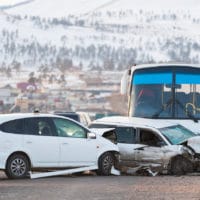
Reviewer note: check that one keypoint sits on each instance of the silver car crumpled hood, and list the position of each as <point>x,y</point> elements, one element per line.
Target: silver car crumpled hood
<point>194,143</point>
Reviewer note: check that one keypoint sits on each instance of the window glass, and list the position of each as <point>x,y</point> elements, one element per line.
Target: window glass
<point>152,78</point>
<point>14,126</point>
<point>151,139</point>
<point>187,78</point>
<point>125,135</point>
<point>166,92</point>
<point>38,126</point>
<point>177,134</point>
<point>67,128</point>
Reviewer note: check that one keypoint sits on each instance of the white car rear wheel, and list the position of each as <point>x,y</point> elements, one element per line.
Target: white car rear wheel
<point>17,166</point>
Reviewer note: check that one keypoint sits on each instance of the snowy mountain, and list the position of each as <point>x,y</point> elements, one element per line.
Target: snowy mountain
<point>8,4</point>
<point>61,8</point>
<point>103,35</point>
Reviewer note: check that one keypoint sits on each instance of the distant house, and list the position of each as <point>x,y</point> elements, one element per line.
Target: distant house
<point>6,95</point>
<point>25,86</point>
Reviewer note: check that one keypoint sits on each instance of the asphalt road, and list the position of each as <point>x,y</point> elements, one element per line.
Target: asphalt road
<point>91,187</point>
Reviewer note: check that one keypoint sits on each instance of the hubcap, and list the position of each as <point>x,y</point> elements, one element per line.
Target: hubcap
<point>108,162</point>
<point>18,167</point>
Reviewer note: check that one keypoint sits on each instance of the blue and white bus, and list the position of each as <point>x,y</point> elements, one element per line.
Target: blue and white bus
<point>164,91</point>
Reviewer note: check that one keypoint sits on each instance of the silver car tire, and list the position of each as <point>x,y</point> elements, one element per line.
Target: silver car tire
<point>180,165</point>
<point>17,166</point>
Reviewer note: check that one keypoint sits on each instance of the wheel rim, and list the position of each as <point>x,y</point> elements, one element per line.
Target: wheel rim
<point>18,167</point>
<point>107,163</point>
<point>180,166</point>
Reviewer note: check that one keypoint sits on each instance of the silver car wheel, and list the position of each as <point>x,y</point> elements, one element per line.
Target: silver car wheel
<point>18,167</point>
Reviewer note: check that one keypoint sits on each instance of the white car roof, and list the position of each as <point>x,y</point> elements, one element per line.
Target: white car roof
<point>13,116</point>
<point>134,121</point>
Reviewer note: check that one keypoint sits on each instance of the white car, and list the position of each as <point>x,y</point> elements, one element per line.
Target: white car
<point>31,141</point>
<point>170,148</point>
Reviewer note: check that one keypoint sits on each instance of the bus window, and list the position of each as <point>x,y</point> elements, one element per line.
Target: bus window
<point>146,100</point>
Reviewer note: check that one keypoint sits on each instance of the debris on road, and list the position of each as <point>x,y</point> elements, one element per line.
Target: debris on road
<point>115,171</point>
<point>62,172</point>
<point>69,171</point>
<point>140,170</point>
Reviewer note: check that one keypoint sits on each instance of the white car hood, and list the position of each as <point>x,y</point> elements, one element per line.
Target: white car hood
<point>194,143</point>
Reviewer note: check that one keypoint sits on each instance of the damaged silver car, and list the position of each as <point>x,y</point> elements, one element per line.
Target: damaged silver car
<point>162,146</point>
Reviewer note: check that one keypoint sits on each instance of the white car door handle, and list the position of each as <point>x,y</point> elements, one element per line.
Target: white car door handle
<point>28,142</point>
<point>64,143</point>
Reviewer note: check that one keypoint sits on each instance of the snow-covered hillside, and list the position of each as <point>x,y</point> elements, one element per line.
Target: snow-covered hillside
<point>61,8</point>
<point>93,34</point>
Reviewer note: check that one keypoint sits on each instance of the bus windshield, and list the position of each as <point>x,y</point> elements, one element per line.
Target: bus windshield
<point>166,92</point>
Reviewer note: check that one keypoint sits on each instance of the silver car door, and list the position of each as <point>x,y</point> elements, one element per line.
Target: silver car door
<point>150,149</point>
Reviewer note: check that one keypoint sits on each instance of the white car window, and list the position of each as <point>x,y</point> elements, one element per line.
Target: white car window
<point>13,126</point>
<point>66,128</point>
<point>38,126</point>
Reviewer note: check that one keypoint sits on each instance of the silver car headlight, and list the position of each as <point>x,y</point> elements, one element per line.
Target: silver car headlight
<point>186,150</point>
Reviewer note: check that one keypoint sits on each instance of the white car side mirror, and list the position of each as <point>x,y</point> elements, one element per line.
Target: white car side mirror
<point>91,135</point>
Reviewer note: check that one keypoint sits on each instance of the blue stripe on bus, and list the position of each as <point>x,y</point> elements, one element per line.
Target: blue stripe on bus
<point>188,78</point>
<point>157,78</point>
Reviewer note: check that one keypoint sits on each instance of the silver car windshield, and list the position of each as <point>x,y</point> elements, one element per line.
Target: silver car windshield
<point>177,134</point>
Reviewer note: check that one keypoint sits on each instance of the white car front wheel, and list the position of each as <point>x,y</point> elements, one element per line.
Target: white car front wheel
<point>105,163</point>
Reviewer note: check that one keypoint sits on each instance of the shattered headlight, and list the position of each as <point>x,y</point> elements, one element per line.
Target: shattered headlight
<point>186,150</point>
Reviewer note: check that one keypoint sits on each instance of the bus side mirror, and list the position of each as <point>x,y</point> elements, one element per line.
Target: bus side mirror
<point>124,82</point>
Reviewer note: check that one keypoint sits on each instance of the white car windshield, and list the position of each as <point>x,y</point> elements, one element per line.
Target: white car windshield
<point>177,134</point>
